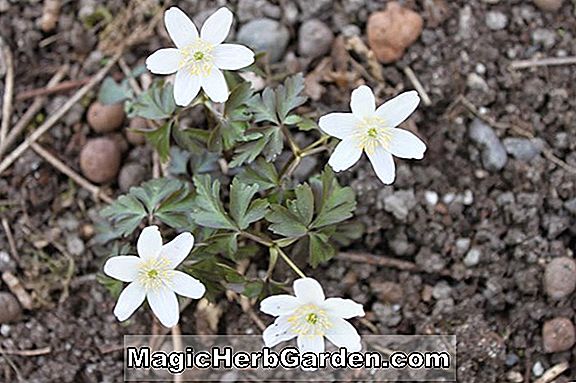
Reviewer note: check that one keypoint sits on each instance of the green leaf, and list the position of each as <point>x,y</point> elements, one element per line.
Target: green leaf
<point>111,92</point>
<point>289,96</point>
<point>268,142</point>
<point>242,209</point>
<point>207,206</point>
<point>160,140</point>
<point>155,103</point>
<point>320,249</point>
<point>261,173</point>
<point>264,106</point>
<point>303,205</point>
<point>193,140</point>
<point>284,222</point>
<point>167,200</point>
<point>252,289</point>
<point>306,124</point>
<point>223,243</point>
<point>292,119</point>
<point>337,203</point>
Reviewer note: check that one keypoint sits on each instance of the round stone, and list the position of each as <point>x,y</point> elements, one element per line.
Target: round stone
<point>100,159</point>
<point>558,335</point>
<point>105,118</point>
<point>11,310</point>
<point>560,277</point>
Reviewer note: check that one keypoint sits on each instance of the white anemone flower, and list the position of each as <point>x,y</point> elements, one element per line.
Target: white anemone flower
<point>373,131</point>
<point>310,317</point>
<point>198,60</point>
<point>152,276</point>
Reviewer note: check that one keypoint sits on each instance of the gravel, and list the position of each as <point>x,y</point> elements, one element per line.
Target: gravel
<point>558,335</point>
<point>523,149</point>
<point>11,310</point>
<point>496,20</point>
<point>400,203</point>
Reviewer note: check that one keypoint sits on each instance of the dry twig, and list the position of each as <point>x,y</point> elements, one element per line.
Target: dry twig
<point>15,286</point>
<point>8,89</point>
<point>11,241</point>
<point>53,119</point>
<point>418,85</point>
<point>553,372</point>
<point>61,166</point>
<point>381,260</point>
<point>36,352</point>
<point>548,61</point>
<point>30,112</point>
<point>44,91</point>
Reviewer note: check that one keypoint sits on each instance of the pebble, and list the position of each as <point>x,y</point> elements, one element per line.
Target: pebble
<point>105,118</point>
<point>543,36</point>
<point>393,30</point>
<point>6,262</point>
<point>100,159</point>
<point>472,257</point>
<point>265,35</point>
<point>431,197</point>
<point>387,314</point>
<point>314,39</point>
<point>388,292</point>
<point>558,335</point>
<point>400,203</point>
<point>560,277</point>
<point>494,155</point>
<point>514,376</point>
<point>522,149</point>
<point>131,174</point>
<point>132,135</point>
<point>462,245</point>
<point>11,309</point>
<point>75,245</point>
<point>571,206</point>
<point>512,359</point>
<point>549,5</point>
<point>496,20</point>
<point>441,290</point>
<point>537,369</point>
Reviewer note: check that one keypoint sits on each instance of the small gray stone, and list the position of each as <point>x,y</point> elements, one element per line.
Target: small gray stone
<point>441,290</point>
<point>537,369</point>
<point>512,359</point>
<point>75,245</point>
<point>314,39</point>
<point>131,175</point>
<point>522,149</point>
<point>387,314</point>
<point>6,262</point>
<point>472,258</point>
<point>400,203</point>
<point>571,206</point>
<point>462,245</point>
<point>494,155</point>
<point>11,310</point>
<point>265,35</point>
<point>496,20</point>
<point>543,36</point>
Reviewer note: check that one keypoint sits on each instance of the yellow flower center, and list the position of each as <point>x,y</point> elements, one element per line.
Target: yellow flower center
<point>372,132</point>
<point>154,273</point>
<point>309,320</point>
<point>197,58</point>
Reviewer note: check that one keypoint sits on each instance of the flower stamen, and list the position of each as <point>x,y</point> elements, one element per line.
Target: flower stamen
<point>309,320</point>
<point>197,58</point>
<point>154,273</point>
<point>373,132</point>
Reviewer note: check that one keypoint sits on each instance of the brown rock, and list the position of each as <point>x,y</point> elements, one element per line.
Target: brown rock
<point>105,118</point>
<point>133,134</point>
<point>10,308</point>
<point>549,5</point>
<point>388,292</point>
<point>100,159</point>
<point>393,30</point>
<point>560,277</point>
<point>558,335</point>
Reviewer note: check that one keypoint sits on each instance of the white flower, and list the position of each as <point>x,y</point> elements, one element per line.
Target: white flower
<point>311,317</point>
<point>197,60</point>
<point>152,276</point>
<point>373,131</point>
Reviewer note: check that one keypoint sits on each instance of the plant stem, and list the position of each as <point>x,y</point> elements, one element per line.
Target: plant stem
<point>293,146</point>
<point>256,238</point>
<point>319,141</point>
<point>290,263</point>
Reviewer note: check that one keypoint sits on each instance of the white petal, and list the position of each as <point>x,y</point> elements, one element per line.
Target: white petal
<point>310,343</point>
<point>215,86</point>
<point>177,249</point>
<point>180,28</point>
<point>277,332</point>
<point>339,125</point>
<point>405,144</point>
<point>187,286</point>
<point>279,304</point>
<point>129,300</point>
<point>164,61</point>
<point>362,102</point>
<point>232,56</point>
<point>395,111</point>
<point>343,308</point>
<point>186,87</point>
<point>308,290</point>
<point>123,267</point>
<point>383,165</point>
<point>217,26</point>
<point>164,305</point>
<point>346,154</point>
<point>149,243</point>
<point>343,334</point>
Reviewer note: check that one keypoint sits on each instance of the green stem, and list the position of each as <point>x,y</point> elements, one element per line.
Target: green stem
<point>290,263</point>
<point>256,238</point>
